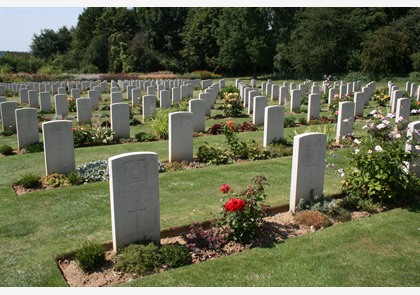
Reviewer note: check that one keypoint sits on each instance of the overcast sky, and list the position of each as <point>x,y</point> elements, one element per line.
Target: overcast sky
<point>20,20</point>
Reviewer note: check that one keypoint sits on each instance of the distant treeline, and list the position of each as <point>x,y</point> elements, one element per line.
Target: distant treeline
<point>289,42</point>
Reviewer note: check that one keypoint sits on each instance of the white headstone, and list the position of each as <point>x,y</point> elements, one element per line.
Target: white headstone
<point>359,104</point>
<point>61,106</point>
<point>23,96</point>
<point>180,136</point>
<point>120,119</point>
<point>135,96</point>
<point>198,108</point>
<point>308,167</point>
<point>165,98</point>
<point>314,106</point>
<point>413,133</point>
<point>403,109</point>
<point>58,147</point>
<point>33,98</point>
<point>149,106</point>
<point>260,102</point>
<point>275,92</point>
<point>116,97</point>
<point>345,119</point>
<point>26,127</point>
<point>283,95</point>
<point>295,100</point>
<point>134,198</point>
<point>84,110</point>
<point>45,102</point>
<point>176,95</point>
<point>273,124</point>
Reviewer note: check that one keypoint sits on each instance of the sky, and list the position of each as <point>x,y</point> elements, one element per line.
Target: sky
<point>20,19</point>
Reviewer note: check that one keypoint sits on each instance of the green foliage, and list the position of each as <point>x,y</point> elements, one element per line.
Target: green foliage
<point>213,154</point>
<point>29,180</point>
<point>90,256</point>
<point>35,147</point>
<point>385,52</point>
<point>244,217</point>
<point>144,137</point>
<point>87,135</point>
<point>381,96</point>
<point>160,123</point>
<point>6,150</point>
<point>175,255</point>
<point>6,133</point>
<point>378,168</point>
<point>289,121</point>
<point>333,208</point>
<point>74,178</point>
<point>93,171</point>
<point>414,76</point>
<point>55,180</point>
<point>357,203</point>
<point>139,258</point>
<point>230,88</point>
<point>232,105</point>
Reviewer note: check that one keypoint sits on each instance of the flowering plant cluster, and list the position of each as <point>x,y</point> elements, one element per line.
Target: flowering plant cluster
<point>334,104</point>
<point>379,162</point>
<point>243,214</point>
<point>71,101</point>
<point>86,135</point>
<point>381,96</point>
<point>232,105</point>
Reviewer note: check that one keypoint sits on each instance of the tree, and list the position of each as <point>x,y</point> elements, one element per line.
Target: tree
<point>386,52</point>
<point>321,43</point>
<point>245,40</point>
<point>199,38</point>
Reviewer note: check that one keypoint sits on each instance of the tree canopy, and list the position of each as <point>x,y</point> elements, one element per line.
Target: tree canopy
<point>297,42</point>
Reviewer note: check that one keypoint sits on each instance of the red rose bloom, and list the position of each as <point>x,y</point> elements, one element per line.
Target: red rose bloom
<point>235,205</point>
<point>225,188</point>
<point>229,122</point>
<point>74,129</point>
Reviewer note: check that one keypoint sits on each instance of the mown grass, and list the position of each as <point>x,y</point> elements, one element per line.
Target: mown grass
<point>36,227</point>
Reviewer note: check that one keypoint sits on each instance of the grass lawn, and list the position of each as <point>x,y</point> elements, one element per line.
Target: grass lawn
<point>34,228</point>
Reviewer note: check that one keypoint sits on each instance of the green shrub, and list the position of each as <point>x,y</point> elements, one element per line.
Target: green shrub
<point>29,180</point>
<point>87,135</point>
<point>74,178</point>
<point>302,121</point>
<point>227,89</point>
<point>55,180</point>
<point>6,133</point>
<point>90,256</point>
<point>144,137</point>
<point>139,258</point>
<point>213,154</point>
<point>289,122</point>
<point>160,124</point>
<point>6,150</point>
<point>93,171</point>
<point>175,255</point>
<point>232,105</point>
<point>35,147</point>
<point>355,203</point>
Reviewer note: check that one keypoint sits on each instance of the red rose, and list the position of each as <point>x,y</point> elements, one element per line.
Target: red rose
<point>235,205</point>
<point>229,122</point>
<point>225,188</point>
<point>74,129</point>
<point>336,113</point>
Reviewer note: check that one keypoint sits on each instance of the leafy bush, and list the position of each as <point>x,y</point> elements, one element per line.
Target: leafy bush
<point>333,208</point>
<point>74,178</point>
<point>160,123</point>
<point>71,101</point>
<point>6,133</point>
<point>144,137</point>
<point>289,122</point>
<point>216,129</point>
<point>232,105</point>
<point>35,147</point>
<point>139,258</point>
<point>6,150</point>
<point>86,135</point>
<point>378,165</point>
<point>29,180</point>
<point>213,238</point>
<point>243,214</point>
<point>313,218</point>
<point>55,180</point>
<point>213,154</point>
<point>227,89</point>
<point>93,171</point>
<point>175,255</point>
<point>90,256</point>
